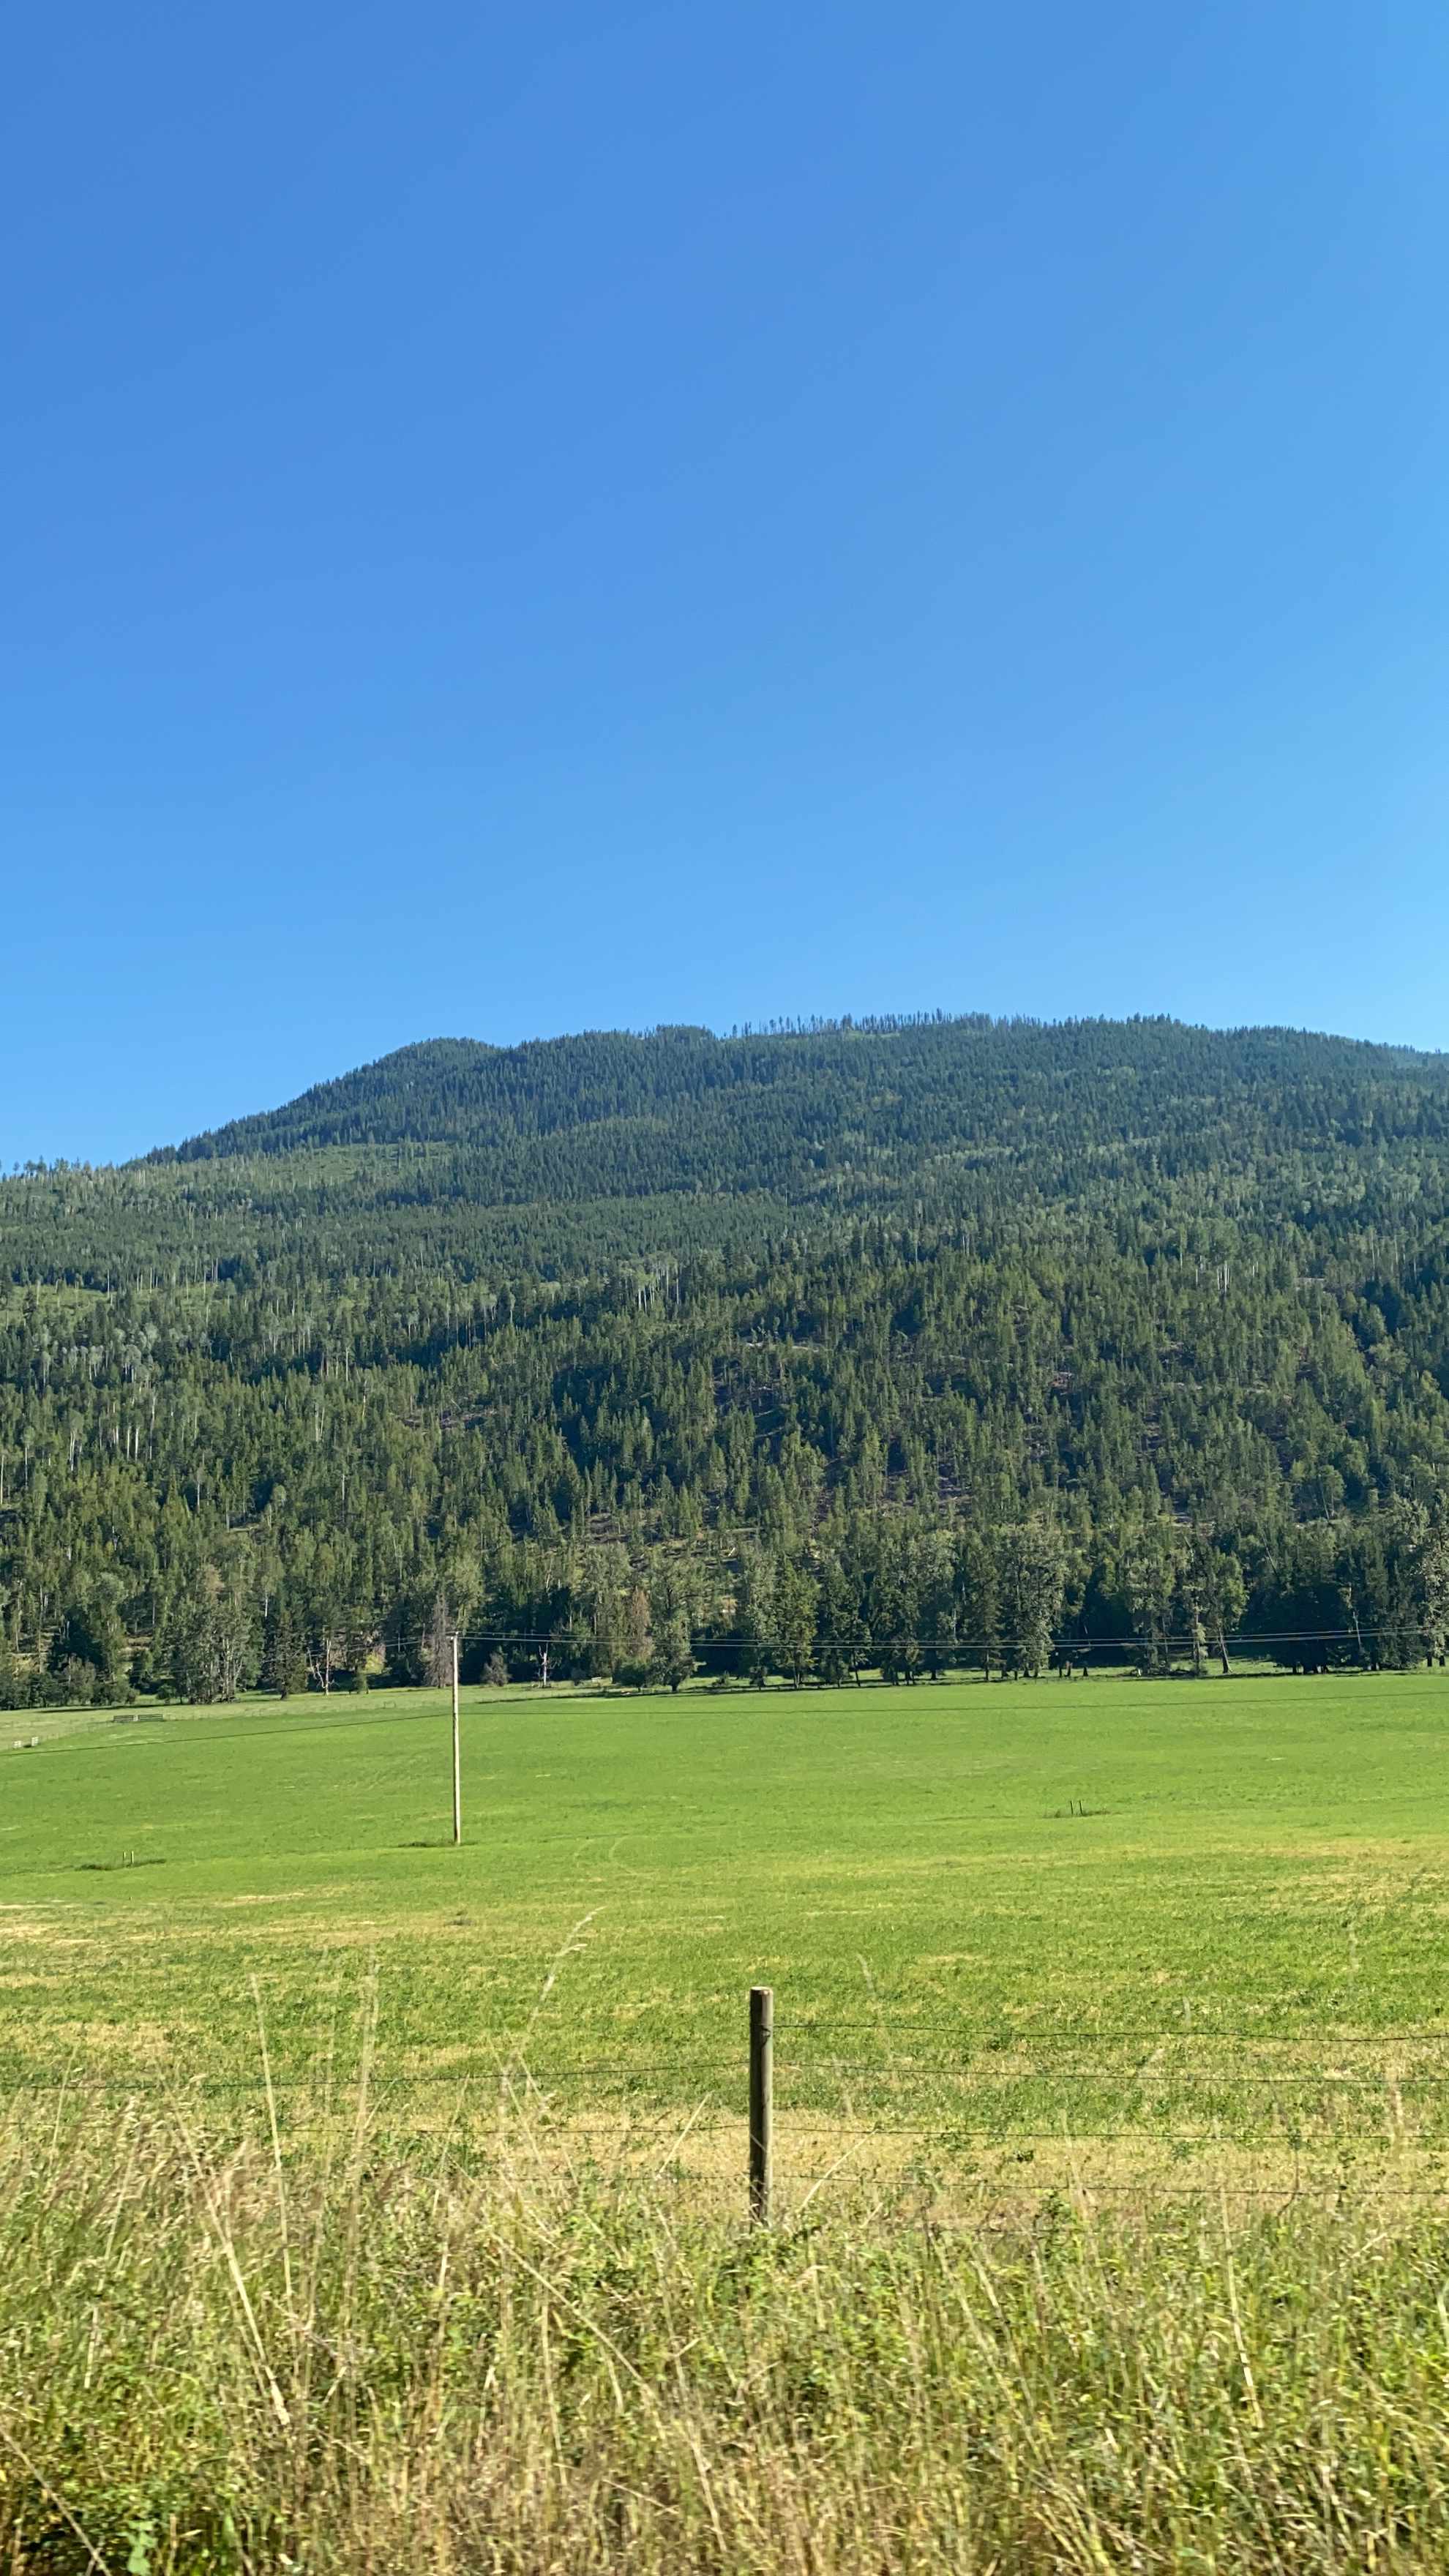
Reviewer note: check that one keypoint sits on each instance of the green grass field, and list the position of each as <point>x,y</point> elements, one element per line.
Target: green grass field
<point>1136,1929</point>
<point>1135,1991</point>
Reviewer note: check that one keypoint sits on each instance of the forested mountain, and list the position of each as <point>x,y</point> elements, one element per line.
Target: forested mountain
<point>895,1342</point>
<point>682,1109</point>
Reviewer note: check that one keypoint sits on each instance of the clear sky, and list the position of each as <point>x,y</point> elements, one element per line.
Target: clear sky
<point>533,517</point>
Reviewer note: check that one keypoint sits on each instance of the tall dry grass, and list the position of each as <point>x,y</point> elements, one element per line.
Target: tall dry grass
<point>233,2360</point>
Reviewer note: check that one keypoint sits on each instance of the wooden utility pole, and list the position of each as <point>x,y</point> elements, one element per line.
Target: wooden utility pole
<point>762,2102</point>
<point>457,1753</point>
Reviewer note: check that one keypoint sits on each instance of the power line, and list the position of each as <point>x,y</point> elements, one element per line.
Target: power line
<point>1243,1638</point>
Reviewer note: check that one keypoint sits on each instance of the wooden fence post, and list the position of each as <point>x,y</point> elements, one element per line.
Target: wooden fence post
<point>762,2102</point>
<point>457,1754</point>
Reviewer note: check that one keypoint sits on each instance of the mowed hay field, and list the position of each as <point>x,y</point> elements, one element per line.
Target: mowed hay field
<point>1108,1934</point>
<point>1113,2212</point>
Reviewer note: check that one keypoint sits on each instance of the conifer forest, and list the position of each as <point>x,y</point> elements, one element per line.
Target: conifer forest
<point>889,1346</point>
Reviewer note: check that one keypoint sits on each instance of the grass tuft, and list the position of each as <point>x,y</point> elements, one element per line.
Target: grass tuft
<point>224,2364</point>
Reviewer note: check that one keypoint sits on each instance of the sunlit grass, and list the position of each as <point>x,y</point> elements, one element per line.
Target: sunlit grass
<point>229,2366</point>
<point>1100,1927</point>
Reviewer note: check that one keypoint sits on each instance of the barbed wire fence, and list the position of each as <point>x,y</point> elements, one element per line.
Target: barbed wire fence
<point>941,1641</point>
<point>995,2108</point>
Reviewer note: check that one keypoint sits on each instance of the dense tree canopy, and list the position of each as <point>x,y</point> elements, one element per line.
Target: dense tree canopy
<point>789,1353</point>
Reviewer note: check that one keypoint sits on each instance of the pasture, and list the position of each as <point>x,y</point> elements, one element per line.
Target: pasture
<point>1129,1932</point>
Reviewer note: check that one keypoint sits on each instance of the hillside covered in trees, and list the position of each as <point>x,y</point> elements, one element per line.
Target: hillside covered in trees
<point>894,1344</point>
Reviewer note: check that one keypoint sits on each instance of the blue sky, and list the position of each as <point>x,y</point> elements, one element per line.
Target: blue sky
<point>528,518</point>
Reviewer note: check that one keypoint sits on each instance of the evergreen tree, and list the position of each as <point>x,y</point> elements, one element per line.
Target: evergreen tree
<point>1031,1579</point>
<point>1151,1568</point>
<point>89,1648</point>
<point>284,1653</point>
<point>757,1623</point>
<point>796,1600</point>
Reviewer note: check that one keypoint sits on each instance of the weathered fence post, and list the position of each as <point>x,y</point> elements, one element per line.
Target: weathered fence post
<point>457,1754</point>
<point>762,2102</point>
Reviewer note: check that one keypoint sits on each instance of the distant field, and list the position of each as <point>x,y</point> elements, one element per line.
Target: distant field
<point>1124,1931</point>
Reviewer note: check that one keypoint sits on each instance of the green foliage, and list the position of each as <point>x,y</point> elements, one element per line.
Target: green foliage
<point>534,2368</point>
<point>901,1345</point>
<point>1030,1579</point>
<point>89,1648</point>
<point>209,1641</point>
<point>284,1653</point>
